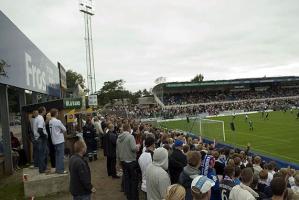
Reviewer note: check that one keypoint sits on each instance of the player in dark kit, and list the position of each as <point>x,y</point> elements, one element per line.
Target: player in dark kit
<point>267,115</point>
<point>188,120</point>
<point>250,125</point>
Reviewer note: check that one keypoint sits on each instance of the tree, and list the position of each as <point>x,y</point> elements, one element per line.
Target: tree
<point>112,86</point>
<point>146,93</point>
<point>73,77</point>
<point>113,90</point>
<point>198,78</point>
<point>134,97</point>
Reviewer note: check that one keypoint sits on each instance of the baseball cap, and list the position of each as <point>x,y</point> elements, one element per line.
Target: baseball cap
<point>202,183</point>
<point>178,143</point>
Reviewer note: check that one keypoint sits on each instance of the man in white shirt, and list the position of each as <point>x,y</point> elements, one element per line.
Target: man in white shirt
<point>40,131</point>
<point>99,131</point>
<point>145,160</point>
<point>57,130</point>
<point>243,191</point>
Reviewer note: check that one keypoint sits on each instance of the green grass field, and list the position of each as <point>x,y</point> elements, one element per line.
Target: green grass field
<point>277,137</point>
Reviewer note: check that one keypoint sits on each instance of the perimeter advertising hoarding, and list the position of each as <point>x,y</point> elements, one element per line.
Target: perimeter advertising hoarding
<point>27,67</point>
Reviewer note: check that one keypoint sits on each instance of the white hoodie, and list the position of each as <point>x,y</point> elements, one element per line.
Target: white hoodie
<point>157,179</point>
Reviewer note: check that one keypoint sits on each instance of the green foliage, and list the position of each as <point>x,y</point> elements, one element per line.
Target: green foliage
<point>277,137</point>
<point>146,93</point>
<point>73,77</point>
<point>198,78</point>
<point>115,90</point>
<point>111,86</point>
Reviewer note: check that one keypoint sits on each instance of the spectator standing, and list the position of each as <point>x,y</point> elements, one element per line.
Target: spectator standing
<point>99,130</point>
<point>175,192</point>
<point>294,182</point>
<point>279,189</point>
<point>209,171</point>
<point>80,177</point>
<point>263,183</point>
<point>126,154</point>
<point>190,172</point>
<point>227,184</point>
<point>42,140</point>
<point>57,130</point>
<point>89,135</point>
<point>201,188</point>
<point>271,171</point>
<point>177,161</point>
<point>157,179</point>
<point>243,191</point>
<point>144,161</point>
<point>16,148</point>
<point>51,146</point>
<point>34,139</point>
<point>257,165</point>
<point>111,151</point>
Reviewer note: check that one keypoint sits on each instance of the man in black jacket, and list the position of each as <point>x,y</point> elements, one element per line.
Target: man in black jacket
<point>89,135</point>
<point>80,177</point>
<point>111,151</point>
<point>177,161</point>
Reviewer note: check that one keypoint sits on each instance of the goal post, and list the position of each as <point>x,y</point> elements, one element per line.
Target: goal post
<point>213,129</point>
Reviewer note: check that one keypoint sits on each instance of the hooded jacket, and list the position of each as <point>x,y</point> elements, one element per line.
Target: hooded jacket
<point>126,147</point>
<point>157,179</point>
<point>186,178</point>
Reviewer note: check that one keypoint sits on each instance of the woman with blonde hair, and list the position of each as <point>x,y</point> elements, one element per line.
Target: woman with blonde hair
<point>175,192</point>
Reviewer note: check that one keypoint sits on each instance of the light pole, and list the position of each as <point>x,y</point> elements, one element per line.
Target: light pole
<point>87,8</point>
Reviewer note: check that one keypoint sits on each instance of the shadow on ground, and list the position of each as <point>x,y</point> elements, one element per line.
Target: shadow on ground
<point>11,188</point>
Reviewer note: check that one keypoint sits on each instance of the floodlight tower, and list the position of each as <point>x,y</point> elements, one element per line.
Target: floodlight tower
<point>87,8</point>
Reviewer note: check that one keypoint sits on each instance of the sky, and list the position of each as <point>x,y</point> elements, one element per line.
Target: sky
<point>141,40</point>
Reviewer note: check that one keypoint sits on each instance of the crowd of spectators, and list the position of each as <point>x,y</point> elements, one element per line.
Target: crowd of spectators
<point>162,164</point>
<point>154,111</point>
<point>197,97</point>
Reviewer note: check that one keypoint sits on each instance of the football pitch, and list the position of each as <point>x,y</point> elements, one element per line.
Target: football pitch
<point>277,136</point>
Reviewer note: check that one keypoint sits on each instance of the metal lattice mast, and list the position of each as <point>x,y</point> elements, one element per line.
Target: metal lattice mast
<point>87,8</point>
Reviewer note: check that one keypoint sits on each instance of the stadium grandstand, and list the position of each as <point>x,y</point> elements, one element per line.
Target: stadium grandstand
<point>185,93</point>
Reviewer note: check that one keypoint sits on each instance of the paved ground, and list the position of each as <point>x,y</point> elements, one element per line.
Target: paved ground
<point>107,188</point>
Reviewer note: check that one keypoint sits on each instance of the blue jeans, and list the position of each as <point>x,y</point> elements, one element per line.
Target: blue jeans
<point>42,154</point>
<point>59,157</point>
<point>82,197</point>
<point>35,153</point>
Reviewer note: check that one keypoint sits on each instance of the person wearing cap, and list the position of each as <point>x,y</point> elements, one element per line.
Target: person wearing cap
<point>190,172</point>
<point>201,188</point>
<point>145,160</point>
<point>207,169</point>
<point>243,191</point>
<point>157,179</point>
<point>177,161</point>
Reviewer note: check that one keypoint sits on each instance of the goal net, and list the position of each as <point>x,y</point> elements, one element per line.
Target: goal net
<point>212,129</point>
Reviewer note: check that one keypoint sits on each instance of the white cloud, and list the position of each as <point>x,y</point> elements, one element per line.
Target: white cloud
<point>140,40</point>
